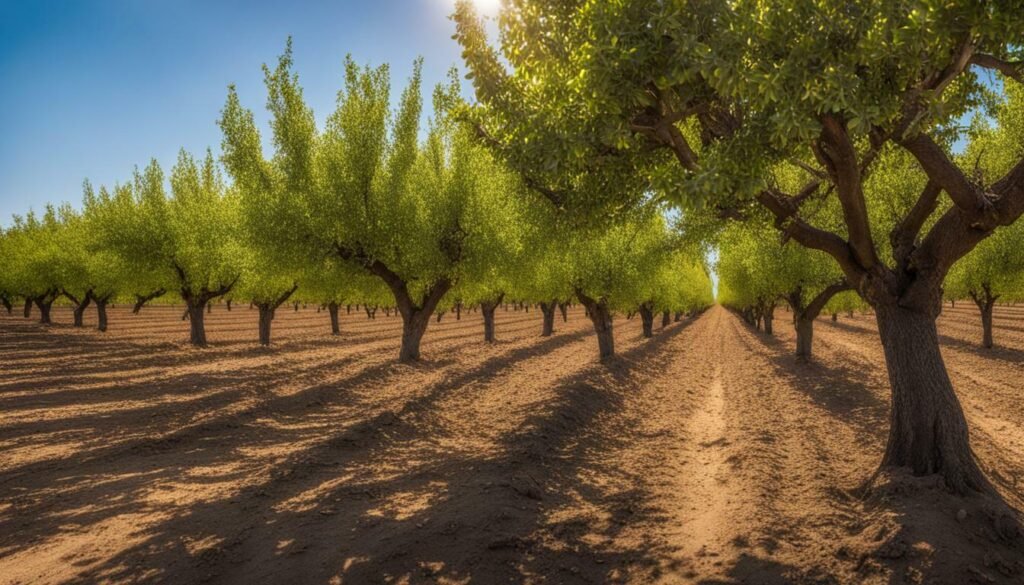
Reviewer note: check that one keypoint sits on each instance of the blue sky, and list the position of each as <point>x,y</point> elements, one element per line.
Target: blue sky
<point>91,89</point>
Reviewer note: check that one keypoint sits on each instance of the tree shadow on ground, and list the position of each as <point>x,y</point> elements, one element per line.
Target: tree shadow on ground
<point>374,499</point>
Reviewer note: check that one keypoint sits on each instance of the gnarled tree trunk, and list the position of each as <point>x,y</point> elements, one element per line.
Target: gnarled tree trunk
<point>45,303</point>
<point>601,317</point>
<point>805,314</point>
<point>548,310</point>
<point>928,431</point>
<point>985,301</point>
<point>647,318</point>
<point>101,311</point>
<point>267,310</point>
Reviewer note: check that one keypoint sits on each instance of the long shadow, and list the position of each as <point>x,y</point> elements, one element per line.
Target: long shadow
<point>837,387</point>
<point>214,443</point>
<point>475,517</point>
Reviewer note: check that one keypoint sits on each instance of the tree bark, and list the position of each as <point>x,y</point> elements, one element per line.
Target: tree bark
<point>44,303</point>
<point>804,337</point>
<point>332,308</point>
<point>487,308</point>
<point>548,310</point>
<point>666,319</point>
<point>768,315</point>
<point>647,318</point>
<point>564,308</point>
<point>80,305</point>
<point>985,301</point>
<point>101,314</point>
<point>804,315</point>
<point>196,314</point>
<point>266,317</point>
<point>928,432</point>
<point>678,316</point>
<point>6,300</point>
<point>601,317</point>
<point>28,307</point>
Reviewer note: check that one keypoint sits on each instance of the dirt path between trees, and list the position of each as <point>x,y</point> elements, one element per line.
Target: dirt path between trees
<point>706,454</point>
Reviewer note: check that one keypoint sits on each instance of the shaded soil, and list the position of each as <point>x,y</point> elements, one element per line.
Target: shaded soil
<point>706,454</point>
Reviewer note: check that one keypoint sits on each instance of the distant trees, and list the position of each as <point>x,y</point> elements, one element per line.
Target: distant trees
<point>757,272</point>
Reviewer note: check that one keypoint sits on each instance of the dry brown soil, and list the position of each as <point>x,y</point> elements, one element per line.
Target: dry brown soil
<point>707,454</point>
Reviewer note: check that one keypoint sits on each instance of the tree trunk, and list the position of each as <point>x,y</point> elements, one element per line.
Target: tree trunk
<point>804,336</point>
<point>666,319</point>
<point>548,310</point>
<point>80,306</point>
<point>458,313</point>
<point>197,329</point>
<point>209,308</point>
<point>28,307</point>
<point>647,318</point>
<point>564,308</point>
<point>678,316</point>
<point>986,326</point>
<point>601,317</point>
<point>928,432</point>
<point>332,308</point>
<point>413,328</point>
<point>44,304</point>
<point>266,318</point>
<point>985,301</point>
<point>101,313</point>
<point>7,303</point>
<point>488,308</point>
<point>229,304</point>
<point>768,314</point>
<point>835,316</point>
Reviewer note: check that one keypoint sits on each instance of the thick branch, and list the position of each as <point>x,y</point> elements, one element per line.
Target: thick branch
<point>904,234</point>
<point>942,170</point>
<point>1011,69</point>
<point>810,236</point>
<point>818,303</point>
<point>842,163</point>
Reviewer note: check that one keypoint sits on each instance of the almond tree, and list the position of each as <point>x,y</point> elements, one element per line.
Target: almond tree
<point>713,95</point>
<point>186,240</point>
<point>34,253</point>
<point>364,189</point>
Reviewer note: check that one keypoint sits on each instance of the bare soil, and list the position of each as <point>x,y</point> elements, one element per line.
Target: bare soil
<point>707,454</point>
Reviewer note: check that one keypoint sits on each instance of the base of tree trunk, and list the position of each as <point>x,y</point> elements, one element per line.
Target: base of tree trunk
<point>332,308</point>
<point>197,329</point>
<point>548,310</point>
<point>928,432</point>
<point>101,313</point>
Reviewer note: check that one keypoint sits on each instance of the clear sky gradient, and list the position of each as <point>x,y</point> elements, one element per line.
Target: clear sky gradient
<point>91,89</point>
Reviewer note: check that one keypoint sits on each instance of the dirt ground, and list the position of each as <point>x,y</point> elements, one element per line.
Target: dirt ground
<point>707,454</point>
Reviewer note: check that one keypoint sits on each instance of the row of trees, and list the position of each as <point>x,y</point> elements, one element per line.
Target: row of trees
<point>720,108</point>
<point>366,210</point>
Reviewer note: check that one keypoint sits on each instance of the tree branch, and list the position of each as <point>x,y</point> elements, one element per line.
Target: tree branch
<point>942,170</point>
<point>810,236</point>
<point>904,234</point>
<point>1011,69</point>
<point>841,155</point>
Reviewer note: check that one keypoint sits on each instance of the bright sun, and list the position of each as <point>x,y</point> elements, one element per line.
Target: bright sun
<point>487,7</point>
